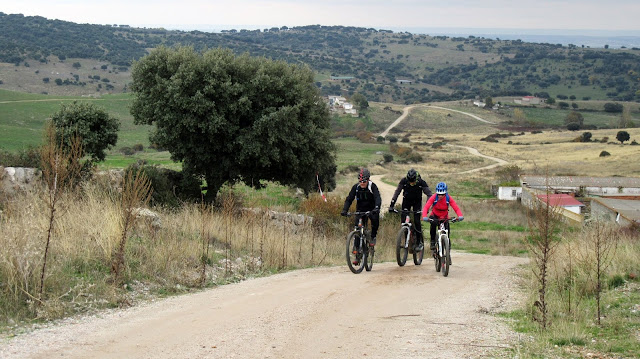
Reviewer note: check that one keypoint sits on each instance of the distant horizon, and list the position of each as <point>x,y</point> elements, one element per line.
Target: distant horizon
<point>589,38</point>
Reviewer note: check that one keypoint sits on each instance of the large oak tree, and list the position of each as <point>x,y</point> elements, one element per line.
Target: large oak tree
<point>232,118</point>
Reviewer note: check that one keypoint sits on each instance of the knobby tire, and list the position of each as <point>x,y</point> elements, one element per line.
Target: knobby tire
<point>401,251</point>
<point>446,258</point>
<point>351,239</point>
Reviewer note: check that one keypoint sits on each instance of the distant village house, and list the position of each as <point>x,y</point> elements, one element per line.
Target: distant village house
<point>529,100</point>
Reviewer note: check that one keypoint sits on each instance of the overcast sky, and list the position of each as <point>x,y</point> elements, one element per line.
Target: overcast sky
<point>379,14</point>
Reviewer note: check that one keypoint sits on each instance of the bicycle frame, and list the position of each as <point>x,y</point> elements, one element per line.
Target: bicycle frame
<point>408,224</point>
<point>443,235</point>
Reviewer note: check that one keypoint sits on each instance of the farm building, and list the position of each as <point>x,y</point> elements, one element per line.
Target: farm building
<point>586,186</point>
<point>529,100</point>
<point>509,193</point>
<point>621,211</point>
<point>562,200</point>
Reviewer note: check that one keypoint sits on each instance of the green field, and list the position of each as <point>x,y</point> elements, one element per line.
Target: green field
<point>22,118</point>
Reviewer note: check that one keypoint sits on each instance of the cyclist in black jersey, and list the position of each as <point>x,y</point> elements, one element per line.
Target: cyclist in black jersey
<point>367,198</point>
<point>412,188</point>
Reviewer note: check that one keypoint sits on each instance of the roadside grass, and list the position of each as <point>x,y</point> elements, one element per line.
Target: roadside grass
<point>574,332</point>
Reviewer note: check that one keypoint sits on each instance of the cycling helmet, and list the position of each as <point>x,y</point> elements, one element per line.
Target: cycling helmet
<point>441,188</point>
<point>412,175</point>
<point>364,175</point>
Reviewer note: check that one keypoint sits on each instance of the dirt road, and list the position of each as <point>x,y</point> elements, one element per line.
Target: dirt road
<point>390,312</point>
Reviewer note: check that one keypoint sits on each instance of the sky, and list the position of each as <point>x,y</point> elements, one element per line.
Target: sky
<point>215,15</point>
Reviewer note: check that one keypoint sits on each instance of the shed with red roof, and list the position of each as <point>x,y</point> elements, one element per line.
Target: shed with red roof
<point>562,200</point>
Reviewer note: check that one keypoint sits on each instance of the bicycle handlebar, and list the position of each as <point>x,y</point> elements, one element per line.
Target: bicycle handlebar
<point>452,220</point>
<point>362,213</point>
<point>404,210</point>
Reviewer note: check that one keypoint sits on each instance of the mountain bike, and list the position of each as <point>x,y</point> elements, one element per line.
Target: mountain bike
<point>442,253</point>
<point>359,252</point>
<point>407,240</point>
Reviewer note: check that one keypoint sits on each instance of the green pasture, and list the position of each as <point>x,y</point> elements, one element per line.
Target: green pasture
<point>352,152</point>
<point>555,117</point>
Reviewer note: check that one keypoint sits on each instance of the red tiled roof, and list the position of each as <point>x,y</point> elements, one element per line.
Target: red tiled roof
<point>560,200</point>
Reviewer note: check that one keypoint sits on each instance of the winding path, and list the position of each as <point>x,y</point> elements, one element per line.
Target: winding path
<point>473,151</point>
<point>406,110</point>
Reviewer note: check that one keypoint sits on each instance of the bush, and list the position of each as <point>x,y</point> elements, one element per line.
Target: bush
<point>604,154</point>
<point>127,151</point>
<point>392,139</point>
<point>612,107</point>
<point>138,147</point>
<point>380,139</point>
<point>573,126</point>
<point>387,157</point>
<point>22,158</point>
<point>170,188</point>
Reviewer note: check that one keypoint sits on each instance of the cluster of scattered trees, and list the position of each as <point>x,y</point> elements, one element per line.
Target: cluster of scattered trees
<point>359,52</point>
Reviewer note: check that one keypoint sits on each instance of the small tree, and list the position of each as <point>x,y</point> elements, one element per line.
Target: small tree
<point>623,136</point>
<point>92,124</point>
<point>543,223</point>
<point>488,102</point>
<point>574,117</point>
<point>597,251</point>
<point>360,101</point>
<point>586,137</point>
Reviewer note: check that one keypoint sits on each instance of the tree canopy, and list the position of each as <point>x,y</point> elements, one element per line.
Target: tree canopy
<point>92,124</point>
<point>235,118</point>
<point>622,136</point>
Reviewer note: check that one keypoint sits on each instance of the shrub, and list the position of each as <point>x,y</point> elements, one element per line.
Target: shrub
<point>387,157</point>
<point>573,126</point>
<point>612,107</point>
<point>138,147</point>
<point>170,188</point>
<point>380,139</point>
<point>127,151</point>
<point>604,154</point>
<point>29,157</point>
<point>392,139</point>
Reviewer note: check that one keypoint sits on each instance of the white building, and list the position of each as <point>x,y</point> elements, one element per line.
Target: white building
<point>509,193</point>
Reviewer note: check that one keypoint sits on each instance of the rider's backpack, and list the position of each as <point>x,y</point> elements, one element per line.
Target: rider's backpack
<point>446,196</point>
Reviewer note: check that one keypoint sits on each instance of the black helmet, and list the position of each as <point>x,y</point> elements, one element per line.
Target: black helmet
<point>412,175</point>
<point>364,175</point>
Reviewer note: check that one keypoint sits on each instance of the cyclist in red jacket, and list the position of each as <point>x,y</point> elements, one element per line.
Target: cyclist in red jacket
<point>440,202</point>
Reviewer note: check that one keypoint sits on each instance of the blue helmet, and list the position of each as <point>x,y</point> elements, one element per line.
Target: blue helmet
<point>441,188</point>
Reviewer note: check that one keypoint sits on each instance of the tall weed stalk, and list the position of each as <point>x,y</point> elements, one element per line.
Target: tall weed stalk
<point>136,193</point>
<point>60,166</point>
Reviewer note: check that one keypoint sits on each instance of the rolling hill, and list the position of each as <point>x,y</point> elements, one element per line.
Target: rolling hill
<point>384,66</point>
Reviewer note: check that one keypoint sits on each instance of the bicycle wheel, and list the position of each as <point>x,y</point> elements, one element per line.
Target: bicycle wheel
<point>417,256</point>
<point>355,261</point>
<point>368,258</point>
<point>446,256</point>
<point>436,257</point>
<point>402,248</point>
